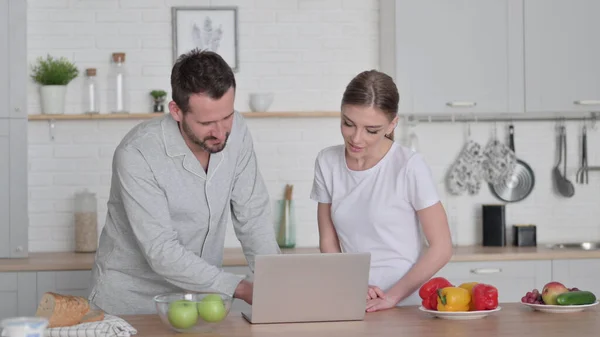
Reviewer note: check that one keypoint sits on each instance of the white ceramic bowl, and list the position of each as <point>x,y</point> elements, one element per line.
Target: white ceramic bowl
<point>260,102</point>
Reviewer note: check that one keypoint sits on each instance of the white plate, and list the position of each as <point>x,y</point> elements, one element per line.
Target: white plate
<point>459,315</point>
<point>559,309</point>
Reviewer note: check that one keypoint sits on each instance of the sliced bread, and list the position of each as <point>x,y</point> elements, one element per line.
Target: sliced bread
<point>64,310</point>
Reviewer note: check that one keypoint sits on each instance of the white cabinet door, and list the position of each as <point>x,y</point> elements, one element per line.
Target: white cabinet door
<point>13,58</point>
<point>13,129</point>
<point>14,220</point>
<point>4,189</point>
<point>17,58</point>
<point>562,55</point>
<point>19,217</point>
<point>76,282</point>
<point>513,279</point>
<point>581,273</point>
<point>458,57</point>
<point>4,59</point>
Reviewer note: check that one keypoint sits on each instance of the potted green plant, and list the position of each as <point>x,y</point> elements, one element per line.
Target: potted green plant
<point>53,75</point>
<point>158,97</point>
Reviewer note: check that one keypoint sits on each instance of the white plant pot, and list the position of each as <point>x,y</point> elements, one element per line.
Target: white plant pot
<point>53,99</point>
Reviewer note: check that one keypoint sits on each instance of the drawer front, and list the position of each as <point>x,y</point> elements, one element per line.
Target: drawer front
<point>9,304</point>
<point>512,278</point>
<point>75,283</point>
<point>17,294</point>
<point>9,282</point>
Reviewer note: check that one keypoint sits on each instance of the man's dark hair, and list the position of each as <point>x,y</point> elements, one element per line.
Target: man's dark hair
<point>200,71</point>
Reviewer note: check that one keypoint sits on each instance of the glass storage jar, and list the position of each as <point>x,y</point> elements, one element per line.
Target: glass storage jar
<point>118,95</point>
<point>91,92</point>
<point>86,222</point>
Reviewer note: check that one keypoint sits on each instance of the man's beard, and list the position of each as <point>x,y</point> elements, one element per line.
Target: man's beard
<point>202,143</point>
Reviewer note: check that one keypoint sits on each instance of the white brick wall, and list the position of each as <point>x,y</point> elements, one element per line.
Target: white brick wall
<point>303,51</point>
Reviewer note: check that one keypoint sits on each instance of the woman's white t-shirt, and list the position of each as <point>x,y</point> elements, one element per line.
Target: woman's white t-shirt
<point>375,210</point>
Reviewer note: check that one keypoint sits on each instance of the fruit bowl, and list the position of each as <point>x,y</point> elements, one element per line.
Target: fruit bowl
<point>460,315</point>
<point>192,312</point>
<point>560,309</point>
<point>555,297</point>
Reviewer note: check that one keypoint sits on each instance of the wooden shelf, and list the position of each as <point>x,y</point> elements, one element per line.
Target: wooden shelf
<point>293,114</point>
<point>92,116</point>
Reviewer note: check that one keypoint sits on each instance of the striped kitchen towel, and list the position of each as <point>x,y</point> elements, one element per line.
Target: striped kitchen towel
<point>111,326</point>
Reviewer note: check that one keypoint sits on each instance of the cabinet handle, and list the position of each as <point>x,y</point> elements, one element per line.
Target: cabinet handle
<point>588,102</point>
<point>458,104</point>
<point>486,270</point>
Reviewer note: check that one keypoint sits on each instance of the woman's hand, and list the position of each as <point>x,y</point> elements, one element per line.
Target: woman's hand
<point>380,303</point>
<point>374,292</point>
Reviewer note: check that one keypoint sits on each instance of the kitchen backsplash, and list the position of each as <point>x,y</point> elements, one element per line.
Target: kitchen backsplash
<point>303,51</point>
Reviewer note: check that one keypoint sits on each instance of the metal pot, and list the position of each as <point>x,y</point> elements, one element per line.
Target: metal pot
<point>520,183</point>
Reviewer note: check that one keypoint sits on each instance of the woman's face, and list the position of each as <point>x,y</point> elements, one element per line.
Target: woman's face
<point>364,129</point>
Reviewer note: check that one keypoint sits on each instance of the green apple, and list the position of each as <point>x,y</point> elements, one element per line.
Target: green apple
<point>183,314</point>
<point>212,309</point>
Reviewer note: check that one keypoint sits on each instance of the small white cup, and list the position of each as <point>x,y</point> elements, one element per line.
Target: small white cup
<point>23,327</point>
<point>260,102</point>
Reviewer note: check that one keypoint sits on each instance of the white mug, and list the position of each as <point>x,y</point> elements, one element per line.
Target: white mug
<point>23,327</point>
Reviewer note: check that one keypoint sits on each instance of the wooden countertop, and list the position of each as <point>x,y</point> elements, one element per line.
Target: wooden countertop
<point>513,320</point>
<point>234,257</point>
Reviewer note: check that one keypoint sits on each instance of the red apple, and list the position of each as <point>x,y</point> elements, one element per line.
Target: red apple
<point>551,291</point>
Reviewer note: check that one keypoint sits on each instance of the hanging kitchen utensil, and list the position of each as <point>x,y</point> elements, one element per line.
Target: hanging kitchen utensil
<point>561,183</point>
<point>582,173</point>
<point>518,185</point>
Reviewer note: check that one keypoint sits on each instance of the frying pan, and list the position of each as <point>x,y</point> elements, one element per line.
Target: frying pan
<point>519,184</point>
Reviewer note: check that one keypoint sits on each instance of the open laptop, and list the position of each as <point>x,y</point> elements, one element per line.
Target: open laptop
<point>309,288</point>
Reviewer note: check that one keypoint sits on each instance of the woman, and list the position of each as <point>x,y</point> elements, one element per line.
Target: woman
<point>372,193</point>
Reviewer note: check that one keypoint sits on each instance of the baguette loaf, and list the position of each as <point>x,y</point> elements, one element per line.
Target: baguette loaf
<point>66,310</point>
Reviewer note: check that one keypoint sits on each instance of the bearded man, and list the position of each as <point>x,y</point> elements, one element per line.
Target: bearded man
<point>176,181</point>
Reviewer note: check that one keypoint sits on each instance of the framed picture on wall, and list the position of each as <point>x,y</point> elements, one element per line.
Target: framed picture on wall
<point>206,28</point>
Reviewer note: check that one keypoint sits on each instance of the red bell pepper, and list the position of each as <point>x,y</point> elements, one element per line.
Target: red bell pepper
<point>485,297</point>
<point>428,291</point>
<point>431,303</point>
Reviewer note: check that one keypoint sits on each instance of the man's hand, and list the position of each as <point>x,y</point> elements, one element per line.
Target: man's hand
<point>374,292</point>
<point>244,291</point>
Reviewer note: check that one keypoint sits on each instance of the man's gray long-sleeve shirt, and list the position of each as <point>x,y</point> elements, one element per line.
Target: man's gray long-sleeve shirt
<point>167,217</point>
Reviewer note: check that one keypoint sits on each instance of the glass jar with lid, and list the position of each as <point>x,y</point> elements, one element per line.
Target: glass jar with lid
<point>91,92</point>
<point>86,222</point>
<point>118,96</point>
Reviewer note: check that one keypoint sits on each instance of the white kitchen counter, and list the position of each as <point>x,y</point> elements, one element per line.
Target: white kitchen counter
<point>57,261</point>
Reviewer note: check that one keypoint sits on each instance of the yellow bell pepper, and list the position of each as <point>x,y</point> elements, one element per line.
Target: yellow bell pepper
<point>469,286</point>
<point>453,299</point>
